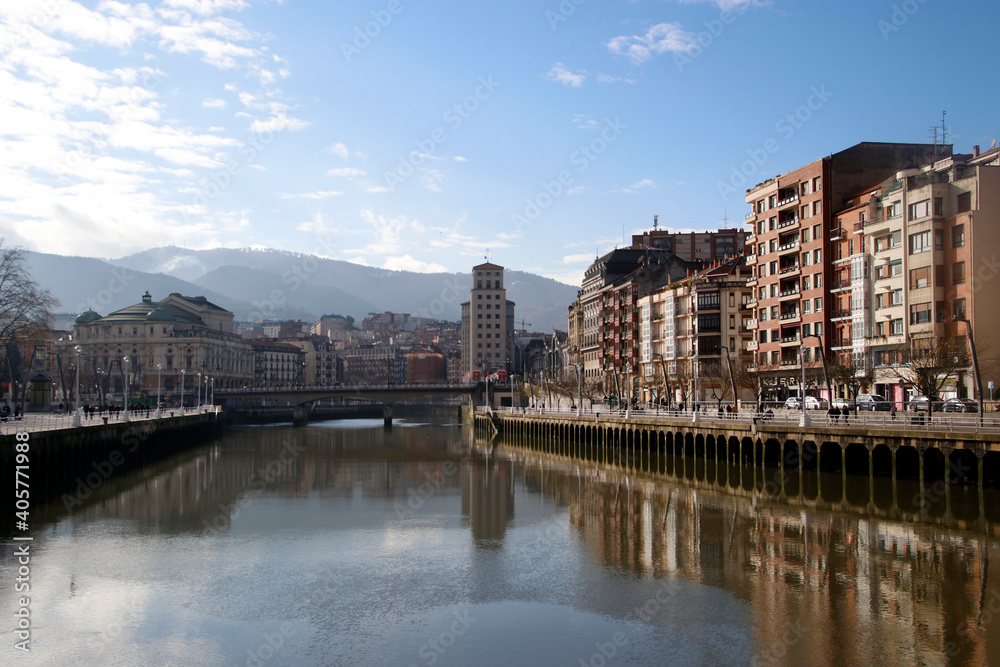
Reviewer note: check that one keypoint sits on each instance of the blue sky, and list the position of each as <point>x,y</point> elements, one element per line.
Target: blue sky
<point>425,135</point>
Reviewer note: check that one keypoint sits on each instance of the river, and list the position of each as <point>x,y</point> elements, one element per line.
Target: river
<point>345,544</point>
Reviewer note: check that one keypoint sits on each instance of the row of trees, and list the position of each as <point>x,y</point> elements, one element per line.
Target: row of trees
<point>929,365</point>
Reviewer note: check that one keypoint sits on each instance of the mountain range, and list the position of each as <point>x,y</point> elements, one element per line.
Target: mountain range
<point>273,284</point>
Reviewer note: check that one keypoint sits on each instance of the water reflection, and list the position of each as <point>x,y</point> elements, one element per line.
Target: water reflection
<point>828,581</point>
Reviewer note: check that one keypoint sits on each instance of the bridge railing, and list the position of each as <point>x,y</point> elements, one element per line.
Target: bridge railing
<point>34,422</point>
<point>941,422</point>
<point>222,393</point>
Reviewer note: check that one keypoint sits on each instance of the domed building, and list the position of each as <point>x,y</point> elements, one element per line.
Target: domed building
<point>184,335</point>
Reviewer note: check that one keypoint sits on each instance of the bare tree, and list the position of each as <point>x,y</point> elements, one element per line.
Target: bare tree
<point>716,376</point>
<point>846,372</point>
<point>25,315</point>
<point>934,362</point>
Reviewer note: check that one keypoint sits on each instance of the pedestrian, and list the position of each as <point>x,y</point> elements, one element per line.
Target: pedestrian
<point>17,411</point>
<point>892,412</point>
<point>833,414</point>
<point>847,413</point>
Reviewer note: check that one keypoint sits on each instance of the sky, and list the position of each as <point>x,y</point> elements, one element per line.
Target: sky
<point>429,136</point>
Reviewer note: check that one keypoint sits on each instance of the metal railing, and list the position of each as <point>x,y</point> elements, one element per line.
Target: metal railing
<point>34,422</point>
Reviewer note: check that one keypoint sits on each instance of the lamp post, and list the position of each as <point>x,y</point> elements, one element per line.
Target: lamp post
<point>628,390</point>
<point>78,412</point>
<point>197,403</point>
<point>183,373</point>
<point>159,375</point>
<point>804,420</point>
<point>579,389</point>
<point>695,369</point>
<point>975,371</point>
<point>126,360</point>
<point>732,378</point>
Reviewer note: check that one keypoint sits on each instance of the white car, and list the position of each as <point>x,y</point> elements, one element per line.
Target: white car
<point>793,403</point>
<point>842,404</point>
<point>813,403</point>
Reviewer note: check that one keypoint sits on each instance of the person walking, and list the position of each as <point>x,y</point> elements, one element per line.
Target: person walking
<point>892,412</point>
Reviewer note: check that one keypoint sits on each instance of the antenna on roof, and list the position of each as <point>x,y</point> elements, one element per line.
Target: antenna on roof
<point>725,217</point>
<point>656,222</point>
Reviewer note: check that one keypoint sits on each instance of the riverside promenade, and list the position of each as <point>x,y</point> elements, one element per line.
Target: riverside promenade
<point>957,448</point>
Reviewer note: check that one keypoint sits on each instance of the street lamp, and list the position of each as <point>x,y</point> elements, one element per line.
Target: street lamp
<point>694,415</point>
<point>975,367</point>
<point>628,389</point>
<point>78,412</point>
<point>197,404</point>
<point>126,360</point>
<point>804,420</point>
<point>183,373</point>
<point>159,375</point>
<point>732,378</point>
<point>579,389</point>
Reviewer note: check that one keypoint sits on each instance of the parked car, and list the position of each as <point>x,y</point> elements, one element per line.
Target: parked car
<point>961,405</point>
<point>842,403</point>
<point>813,403</point>
<point>793,403</point>
<point>925,404</point>
<point>872,402</point>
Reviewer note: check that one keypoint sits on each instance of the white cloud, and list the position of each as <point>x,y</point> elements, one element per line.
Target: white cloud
<point>644,184</point>
<point>208,7</point>
<point>339,150</point>
<point>731,5</point>
<point>577,259</point>
<point>560,74</point>
<point>459,158</point>
<point>320,194</point>
<point>407,263</point>
<point>214,103</point>
<point>585,122</point>
<point>659,39</point>
<point>346,172</point>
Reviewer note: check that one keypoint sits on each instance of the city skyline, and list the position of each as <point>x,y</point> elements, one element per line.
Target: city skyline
<point>402,136</point>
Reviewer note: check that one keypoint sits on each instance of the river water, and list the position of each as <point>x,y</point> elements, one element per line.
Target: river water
<point>343,544</point>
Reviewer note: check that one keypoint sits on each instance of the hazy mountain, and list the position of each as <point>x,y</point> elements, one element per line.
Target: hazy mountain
<point>277,284</point>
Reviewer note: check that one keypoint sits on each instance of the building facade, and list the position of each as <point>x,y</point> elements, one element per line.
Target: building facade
<point>487,322</point>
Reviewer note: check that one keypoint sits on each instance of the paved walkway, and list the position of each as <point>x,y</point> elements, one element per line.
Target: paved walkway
<point>34,422</point>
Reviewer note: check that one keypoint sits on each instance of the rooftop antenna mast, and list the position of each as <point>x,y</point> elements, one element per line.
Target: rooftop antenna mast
<point>656,222</point>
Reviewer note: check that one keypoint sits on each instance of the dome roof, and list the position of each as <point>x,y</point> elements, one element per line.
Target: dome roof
<point>161,315</point>
<point>87,317</point>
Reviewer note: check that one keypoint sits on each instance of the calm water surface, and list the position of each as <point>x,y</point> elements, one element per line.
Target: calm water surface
<point>342,544</point>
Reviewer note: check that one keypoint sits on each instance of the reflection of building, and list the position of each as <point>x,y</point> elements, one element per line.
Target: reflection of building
<point>487,322</point>
<point>180,333</point>
<point>824,585</point>
<point>488,501</point>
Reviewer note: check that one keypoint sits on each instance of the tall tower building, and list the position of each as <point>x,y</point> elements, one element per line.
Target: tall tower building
<point>487,322</point>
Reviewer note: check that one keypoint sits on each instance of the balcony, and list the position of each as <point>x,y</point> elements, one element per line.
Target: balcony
<point>837,234</point>
<point>752,345</point>
<point>788,200</point>
<point>789,362</point>
<point>789,293</point>
<point>751,259</point>
<point>750,324</point>
<point>788,340</point>
<point>788,269</point>
<point>788,247</point>
<point>842,284</point>
<point>840,314</point>
<point>750,216</point>
<point>794,315</point>
<point>788,222</point>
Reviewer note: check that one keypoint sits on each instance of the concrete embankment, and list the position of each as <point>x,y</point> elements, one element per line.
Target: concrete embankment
<point>57,462</point>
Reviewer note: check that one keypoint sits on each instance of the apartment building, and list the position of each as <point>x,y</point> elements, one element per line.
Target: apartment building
<point>935,249</point>
<point>487,322</point>
<point>792,232</point>
<point>694,332</point>
<point>709,246</point>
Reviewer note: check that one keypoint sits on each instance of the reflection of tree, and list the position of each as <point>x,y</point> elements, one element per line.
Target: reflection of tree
<point>933,363</point>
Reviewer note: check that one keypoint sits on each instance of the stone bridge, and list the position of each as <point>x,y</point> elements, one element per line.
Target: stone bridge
<point>303,398</point>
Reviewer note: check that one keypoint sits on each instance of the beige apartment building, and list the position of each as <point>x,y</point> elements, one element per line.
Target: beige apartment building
<point>487,322</point>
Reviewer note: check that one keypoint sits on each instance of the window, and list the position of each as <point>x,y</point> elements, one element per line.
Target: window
<point>479,284</point>
<point>806,306</point>
<point>896,297</point>
<point>763,336</point>
<point>772,223</point>
<point>817,256</point>
<point>806,283</point>
<point>938,206</point>
<point>896,239</point>
<point>804,212</point>
<point>896,327</point>
<point>958,236</point>
<point>964,202</point>
<point>760,227</point>
<point>732,322</point>
<point>816,207</point>
<point>920,278</point>
<point>880,300</point>
<point>806,328</point>
<point>760,206</point>
<point>893,210</point>
<point>479,296</point>
<point>816,184</point>
<point>805,258</point>
<point>939,311</point>
<point>920,313</point>
<point>939,239</point>
<point>763,315</point>
<point>920,209</point>
<point>805,188</point>
<point>957,273</point>
<point>772,201</point>
<point>818,303</point>
<point>920,242</point>
<point>805,235</point>
<point>816,231</point>
<point>880,328</point>
<point>774,267</point>
<point>958,309</point>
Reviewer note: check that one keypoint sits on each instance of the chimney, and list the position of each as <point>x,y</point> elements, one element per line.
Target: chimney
<point>975,151</point>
